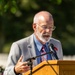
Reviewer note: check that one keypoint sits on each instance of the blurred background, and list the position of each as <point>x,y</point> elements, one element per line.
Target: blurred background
<point>16,17</point>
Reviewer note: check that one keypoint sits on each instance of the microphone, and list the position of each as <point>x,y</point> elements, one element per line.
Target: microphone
<point>52,49</point>
<point>30,63</point>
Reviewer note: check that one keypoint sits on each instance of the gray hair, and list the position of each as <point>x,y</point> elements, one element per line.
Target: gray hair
<point>41,13</point>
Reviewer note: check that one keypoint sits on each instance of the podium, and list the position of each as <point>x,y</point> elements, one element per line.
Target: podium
<point>54,67</point>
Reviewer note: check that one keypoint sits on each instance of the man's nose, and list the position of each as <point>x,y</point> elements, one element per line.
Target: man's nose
<point>48,30</point>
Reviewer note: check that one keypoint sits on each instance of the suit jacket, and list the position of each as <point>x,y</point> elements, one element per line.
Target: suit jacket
<point>26,48</point>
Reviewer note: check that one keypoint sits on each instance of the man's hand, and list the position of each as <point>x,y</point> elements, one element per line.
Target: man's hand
<point>21,67</point>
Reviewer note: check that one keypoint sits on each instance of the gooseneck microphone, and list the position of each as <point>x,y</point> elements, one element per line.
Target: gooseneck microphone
<point>52,51</point>
<point>30,63</point>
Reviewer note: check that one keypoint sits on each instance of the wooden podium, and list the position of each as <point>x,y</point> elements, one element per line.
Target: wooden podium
<point>54,67</point>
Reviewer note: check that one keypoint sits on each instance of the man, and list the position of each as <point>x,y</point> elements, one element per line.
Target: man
<point>43,26</point>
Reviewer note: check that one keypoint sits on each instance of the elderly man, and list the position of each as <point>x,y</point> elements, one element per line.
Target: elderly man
<point>38,43</point>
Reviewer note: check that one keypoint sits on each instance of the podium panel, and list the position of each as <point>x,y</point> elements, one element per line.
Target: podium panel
<point>54,67</point>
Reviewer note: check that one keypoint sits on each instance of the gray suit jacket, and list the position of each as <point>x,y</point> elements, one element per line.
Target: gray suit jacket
<point>26,48</point>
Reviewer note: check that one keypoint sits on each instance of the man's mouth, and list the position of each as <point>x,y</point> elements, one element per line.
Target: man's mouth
<point>46,36</point>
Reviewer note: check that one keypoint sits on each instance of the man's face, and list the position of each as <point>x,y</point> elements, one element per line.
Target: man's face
<point>43,30</point>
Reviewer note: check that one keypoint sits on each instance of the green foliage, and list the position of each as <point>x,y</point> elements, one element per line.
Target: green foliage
<point>16,18</point>
<point>6,5</point>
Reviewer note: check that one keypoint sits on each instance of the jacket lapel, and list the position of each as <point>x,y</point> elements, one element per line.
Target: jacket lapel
<point>31,48</point>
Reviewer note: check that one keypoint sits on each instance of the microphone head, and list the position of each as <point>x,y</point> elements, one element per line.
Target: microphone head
<point>52,46</point>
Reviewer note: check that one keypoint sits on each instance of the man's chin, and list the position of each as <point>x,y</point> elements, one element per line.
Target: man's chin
<point>45,40</point>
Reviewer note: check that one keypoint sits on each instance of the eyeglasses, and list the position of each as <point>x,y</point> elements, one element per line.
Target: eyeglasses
<point>47,27</point>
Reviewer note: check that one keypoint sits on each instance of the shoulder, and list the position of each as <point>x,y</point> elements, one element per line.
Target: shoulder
<point>24,40</point>
<point>54,40</point>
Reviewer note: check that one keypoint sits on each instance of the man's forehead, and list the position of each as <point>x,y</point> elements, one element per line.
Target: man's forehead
<point>48,18</point>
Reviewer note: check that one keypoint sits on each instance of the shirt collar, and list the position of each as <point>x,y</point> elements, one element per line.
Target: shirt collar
<point>38,44</point>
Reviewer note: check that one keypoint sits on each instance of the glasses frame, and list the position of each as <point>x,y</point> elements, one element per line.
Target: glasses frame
<point>44,27</point>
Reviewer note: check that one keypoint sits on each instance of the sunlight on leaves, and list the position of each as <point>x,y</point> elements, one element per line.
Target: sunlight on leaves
<point>13,10</point>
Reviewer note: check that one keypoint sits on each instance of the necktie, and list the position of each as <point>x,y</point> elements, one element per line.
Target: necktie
<point>44,57</point>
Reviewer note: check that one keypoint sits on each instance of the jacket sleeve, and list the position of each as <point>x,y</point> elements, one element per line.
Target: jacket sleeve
<point>13,57</point>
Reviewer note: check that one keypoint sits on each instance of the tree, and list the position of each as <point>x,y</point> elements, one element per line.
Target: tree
<point>16,19</point>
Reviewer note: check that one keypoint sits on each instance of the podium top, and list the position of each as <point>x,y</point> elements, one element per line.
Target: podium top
<point>61,61</point>
<point>52,62</point>
<point>58,62</point>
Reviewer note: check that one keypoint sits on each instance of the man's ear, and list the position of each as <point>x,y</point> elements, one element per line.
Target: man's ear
<point>34,26</point>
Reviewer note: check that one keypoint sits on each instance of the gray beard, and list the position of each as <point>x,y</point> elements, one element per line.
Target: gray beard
<point>45,40</point>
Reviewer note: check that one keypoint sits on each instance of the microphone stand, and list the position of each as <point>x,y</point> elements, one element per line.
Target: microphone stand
<point>30,63</point>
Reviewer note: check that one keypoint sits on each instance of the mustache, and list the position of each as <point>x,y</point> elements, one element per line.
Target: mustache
<point>48,34</point>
